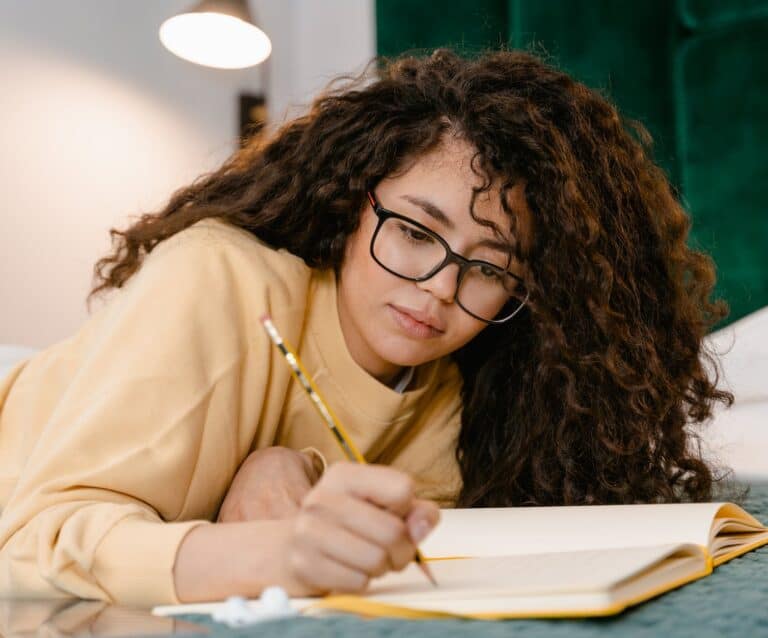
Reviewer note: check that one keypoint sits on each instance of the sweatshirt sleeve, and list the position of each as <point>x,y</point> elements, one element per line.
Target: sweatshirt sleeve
<point>93,512</point>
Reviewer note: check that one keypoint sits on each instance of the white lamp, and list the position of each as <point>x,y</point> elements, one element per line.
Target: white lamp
<point>217,33</point>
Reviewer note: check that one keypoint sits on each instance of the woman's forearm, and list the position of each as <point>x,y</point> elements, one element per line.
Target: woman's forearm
<point>229,559</point>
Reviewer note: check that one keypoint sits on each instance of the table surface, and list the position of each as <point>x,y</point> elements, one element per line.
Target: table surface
<point>732,601</point>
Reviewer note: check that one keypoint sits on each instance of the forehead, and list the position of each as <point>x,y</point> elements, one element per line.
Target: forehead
<point>448,176</point>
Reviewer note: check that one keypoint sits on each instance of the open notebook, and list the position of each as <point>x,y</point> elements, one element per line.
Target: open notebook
<point>552,561</point>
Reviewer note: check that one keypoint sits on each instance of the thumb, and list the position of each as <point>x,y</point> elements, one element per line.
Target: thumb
<point>422,519</point>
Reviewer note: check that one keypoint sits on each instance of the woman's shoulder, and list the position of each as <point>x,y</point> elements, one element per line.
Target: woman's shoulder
<point>213,267</point>
<point>219,256</point>
<point>213,237</point>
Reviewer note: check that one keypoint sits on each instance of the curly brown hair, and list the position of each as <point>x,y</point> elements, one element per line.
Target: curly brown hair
<point>589,394</point>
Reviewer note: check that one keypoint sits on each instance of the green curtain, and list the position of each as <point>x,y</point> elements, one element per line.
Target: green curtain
<point>692,71</point>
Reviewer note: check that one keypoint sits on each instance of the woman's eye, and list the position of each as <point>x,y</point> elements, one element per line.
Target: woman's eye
<point>414,235</point>
<point>489,273</point>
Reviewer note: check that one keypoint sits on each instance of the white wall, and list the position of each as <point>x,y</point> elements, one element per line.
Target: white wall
<point>98,123</point>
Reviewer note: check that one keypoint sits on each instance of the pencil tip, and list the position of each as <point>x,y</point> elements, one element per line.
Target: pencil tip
<point>428,573</point>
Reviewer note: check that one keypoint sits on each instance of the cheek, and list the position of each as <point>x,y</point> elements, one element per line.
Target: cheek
<point>465,328</point>
<point>371,284</point>
<point>372,280</point>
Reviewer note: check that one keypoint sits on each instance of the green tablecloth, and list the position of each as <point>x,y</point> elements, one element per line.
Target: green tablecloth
<point>733,601</point>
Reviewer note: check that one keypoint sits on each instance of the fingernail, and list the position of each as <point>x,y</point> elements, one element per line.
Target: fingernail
<point>419,530</point>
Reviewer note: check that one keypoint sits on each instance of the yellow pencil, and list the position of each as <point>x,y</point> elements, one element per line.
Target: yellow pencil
<point>352,453</point>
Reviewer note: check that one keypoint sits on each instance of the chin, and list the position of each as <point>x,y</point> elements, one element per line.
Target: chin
<point>403,357</point>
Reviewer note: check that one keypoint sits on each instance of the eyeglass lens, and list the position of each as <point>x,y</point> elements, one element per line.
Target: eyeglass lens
<point>407,250</point>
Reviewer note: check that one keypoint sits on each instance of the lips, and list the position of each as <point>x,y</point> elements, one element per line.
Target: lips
<point>421,317</point>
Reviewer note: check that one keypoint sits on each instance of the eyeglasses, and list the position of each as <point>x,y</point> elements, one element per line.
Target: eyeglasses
<point>410,250</point>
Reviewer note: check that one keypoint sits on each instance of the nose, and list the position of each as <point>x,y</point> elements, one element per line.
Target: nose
<point>442,284</point>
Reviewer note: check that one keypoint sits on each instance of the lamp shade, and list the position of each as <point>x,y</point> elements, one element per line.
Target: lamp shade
<point>217,33</point>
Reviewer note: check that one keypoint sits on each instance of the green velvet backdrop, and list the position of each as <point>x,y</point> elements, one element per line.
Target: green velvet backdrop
<point>695,72</point>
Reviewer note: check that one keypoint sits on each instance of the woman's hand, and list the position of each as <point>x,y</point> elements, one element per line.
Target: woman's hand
<point>270,484</point>
<point>357,523</point>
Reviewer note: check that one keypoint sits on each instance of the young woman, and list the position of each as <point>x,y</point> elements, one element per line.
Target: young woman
<point>483,271</point>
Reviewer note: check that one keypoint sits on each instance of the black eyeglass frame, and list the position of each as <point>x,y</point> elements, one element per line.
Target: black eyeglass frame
<point>451,257</point>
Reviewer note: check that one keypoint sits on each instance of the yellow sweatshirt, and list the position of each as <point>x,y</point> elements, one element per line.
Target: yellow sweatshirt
<point>116,442</point>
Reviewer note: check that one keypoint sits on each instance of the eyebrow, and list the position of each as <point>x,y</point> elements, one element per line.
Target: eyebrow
<point>437,213</point>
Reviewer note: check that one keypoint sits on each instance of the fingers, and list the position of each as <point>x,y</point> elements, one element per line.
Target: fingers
<point>345,547</point>
<point>422,519</point>
<point>358,522</point>
<point>374,503</point>
<point>367,521</point>
<point>319,575</point>
<point>384,486</point>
